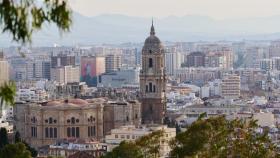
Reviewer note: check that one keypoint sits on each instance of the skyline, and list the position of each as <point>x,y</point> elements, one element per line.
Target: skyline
<point>217,9</point>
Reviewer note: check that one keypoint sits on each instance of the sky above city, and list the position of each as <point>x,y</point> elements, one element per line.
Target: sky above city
<point>218,9</point>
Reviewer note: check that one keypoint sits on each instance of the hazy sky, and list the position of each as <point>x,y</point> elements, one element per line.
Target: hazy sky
<point>218,9</point>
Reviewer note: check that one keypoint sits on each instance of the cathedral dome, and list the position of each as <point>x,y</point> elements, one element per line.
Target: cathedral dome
<point>152,43</point>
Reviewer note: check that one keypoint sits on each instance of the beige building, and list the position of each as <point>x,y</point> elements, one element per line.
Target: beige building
<point>131,133</point>
<point>230,87</point>
<point>113,62</point>
<point>4,70</point>
<point>66,74</point>
<point>43,124</point>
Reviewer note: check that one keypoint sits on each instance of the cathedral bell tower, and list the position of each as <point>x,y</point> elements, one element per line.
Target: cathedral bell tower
<point>153,80</point>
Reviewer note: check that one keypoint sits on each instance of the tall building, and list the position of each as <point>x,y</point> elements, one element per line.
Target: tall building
<point>196,59</point>
<point>113,62</point>
<point>173,61</point>
<point>62,60</point>
<point>230,87</point>
<point>4,70</point>
<point>274,49</point>
<point>153,80</point>
<point>91,68</point>
<point>66,74</point>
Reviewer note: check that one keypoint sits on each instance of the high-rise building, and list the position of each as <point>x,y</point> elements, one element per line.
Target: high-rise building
<point>196,59</point>
<point>4,70</point>
<point>66,74</point>
<point>38,69</point>
<point>153,80</point>
<point>62,60</point>
<point>173,61</point>
<point>113,62</point>
<point>230,87</point>
<point>91,68</point>
<point>274,49</point>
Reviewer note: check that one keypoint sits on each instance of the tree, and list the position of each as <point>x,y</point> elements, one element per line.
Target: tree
<point>125,150</point>
<point>17,150</point>
<point>33,151</point>
<point>217,137</point>
<point>3,137</point>
<point>145,147</point>
<point>7,93</point>
<point>22,17</point>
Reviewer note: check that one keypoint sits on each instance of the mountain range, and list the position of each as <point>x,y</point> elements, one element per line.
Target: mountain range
<point>115,28</point>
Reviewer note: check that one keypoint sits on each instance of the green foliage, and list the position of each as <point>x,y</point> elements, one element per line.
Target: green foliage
<point>3,137</point>
<point>125,150</point>
<point>21,18</point>
<point>217,137</point>
<point>144,147</point>
<point>33,152</point>
<point>17,150</point>
<point>7,93</point>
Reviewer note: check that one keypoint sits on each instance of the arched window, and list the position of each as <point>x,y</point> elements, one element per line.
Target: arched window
<point>73,120</point>
<point>150,87</point>
<point>47,132</point>
<point>50,120</point>
<point>150,62</point>
<point>68,132</point>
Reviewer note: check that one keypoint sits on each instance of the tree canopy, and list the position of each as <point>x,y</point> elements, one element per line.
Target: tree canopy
<point>22,17</point>
<point>217,137</point>
<point>17,150</point>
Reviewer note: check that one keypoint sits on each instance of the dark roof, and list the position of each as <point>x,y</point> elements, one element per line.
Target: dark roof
<point>81,154</point>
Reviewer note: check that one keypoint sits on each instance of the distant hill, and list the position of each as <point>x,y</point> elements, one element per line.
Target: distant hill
<point>113,28</point>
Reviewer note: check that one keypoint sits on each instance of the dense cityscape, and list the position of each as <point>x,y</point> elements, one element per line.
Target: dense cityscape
<point>151,99</point>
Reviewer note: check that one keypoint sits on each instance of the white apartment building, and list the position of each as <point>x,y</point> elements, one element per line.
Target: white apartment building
<point>131,133</point>
<point>173,61</point>
<point>230,87</point>
<point>66,74</point>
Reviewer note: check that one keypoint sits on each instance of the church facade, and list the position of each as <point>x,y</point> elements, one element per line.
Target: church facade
<point>153,80</point>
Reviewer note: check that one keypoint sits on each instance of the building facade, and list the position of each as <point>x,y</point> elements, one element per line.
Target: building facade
<point>230,87</point>
<point>153,80</point>
<point>113,62</point>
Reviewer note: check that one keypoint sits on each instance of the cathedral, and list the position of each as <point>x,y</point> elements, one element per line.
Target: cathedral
<point>153,80</point>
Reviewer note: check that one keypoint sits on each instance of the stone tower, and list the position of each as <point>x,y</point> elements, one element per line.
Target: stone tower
<point>153,80</point>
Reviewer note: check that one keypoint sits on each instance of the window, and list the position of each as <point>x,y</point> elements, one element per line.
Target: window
<point>51,132</point>
<point>55,132</point>
<point>122,137</point>
<point>91,131</point>
<point>77,120</point>
<point>73,132</point>
<point>127,136</point>
<point>154,88</point>
<point>150,87</point>
<point>50,120</point>
<point>147,88</point>
<point>127,118</point>
<point>34,132</point>
<point>77,132</point>
<point>116,136</point>
<point>73,120</point>
<point>150,62</point>
<point>136,116</point>
<point>68,132</point>
<point>47,132</point>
